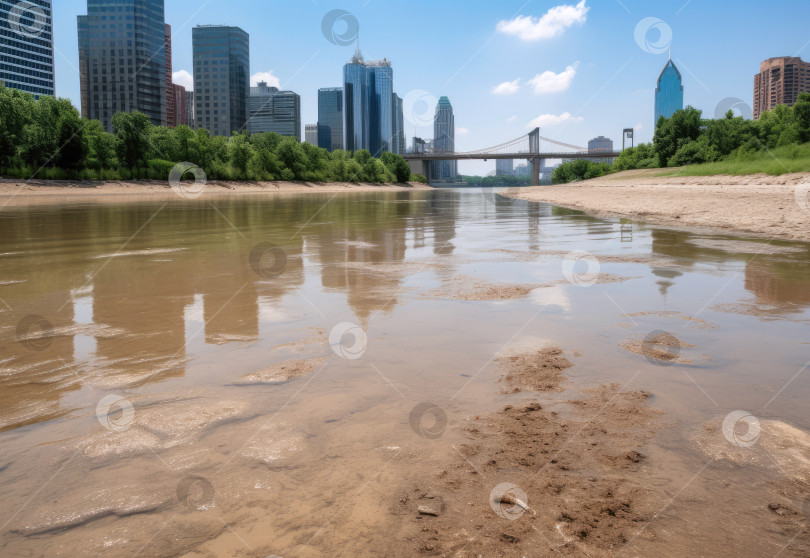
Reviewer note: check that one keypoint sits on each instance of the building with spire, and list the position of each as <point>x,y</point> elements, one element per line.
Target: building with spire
<point>444,139</point>
<point>669,92</point>
<point>369,105</point>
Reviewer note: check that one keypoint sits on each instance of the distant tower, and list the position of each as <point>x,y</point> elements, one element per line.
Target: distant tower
<point>444,139</point>
<point>669,93</point>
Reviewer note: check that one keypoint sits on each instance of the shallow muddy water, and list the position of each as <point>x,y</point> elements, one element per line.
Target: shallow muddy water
<point>259,375</point>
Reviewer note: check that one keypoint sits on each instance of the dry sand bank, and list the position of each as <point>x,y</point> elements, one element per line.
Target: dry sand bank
<point>760,205</point>
<point>22,193</point>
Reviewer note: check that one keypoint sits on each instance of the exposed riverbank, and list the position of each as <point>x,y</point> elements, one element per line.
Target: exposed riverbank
<point>21,193</point>
<point>760,205</point>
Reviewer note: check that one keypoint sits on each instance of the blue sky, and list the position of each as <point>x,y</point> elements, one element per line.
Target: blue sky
<point>584,68</point>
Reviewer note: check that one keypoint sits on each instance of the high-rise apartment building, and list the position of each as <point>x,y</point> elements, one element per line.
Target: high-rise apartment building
<point>190,108</point>
<point>276,111</point>
<point>779,82</point>
<point>122,59</point>
<point>368,105</point>
<point>311,134</point>
<point>221,78</point>
<point>669,92</point>
<point>179,100</point>
<point>399,127</point>
<point>26,36</point>
<point>330,118</point>
<point>444,139</point>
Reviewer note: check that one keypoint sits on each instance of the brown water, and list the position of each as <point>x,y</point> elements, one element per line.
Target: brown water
<point>125,327</point>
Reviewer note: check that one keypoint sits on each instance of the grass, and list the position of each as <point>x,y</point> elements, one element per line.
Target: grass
<point>774,162</point>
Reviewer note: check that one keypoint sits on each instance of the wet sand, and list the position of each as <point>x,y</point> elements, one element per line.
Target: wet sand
<point>765,206</point>
<point>22,193</point>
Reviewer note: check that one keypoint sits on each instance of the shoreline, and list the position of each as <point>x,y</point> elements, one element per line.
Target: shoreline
<point>759,205</point>
<point>19,193</point>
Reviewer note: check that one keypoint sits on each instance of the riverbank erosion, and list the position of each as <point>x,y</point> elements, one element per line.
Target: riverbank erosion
<point>28,192</point>
<point>760,205</point>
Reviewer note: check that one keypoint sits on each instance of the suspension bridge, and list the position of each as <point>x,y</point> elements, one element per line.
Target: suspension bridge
<point>532,147</point>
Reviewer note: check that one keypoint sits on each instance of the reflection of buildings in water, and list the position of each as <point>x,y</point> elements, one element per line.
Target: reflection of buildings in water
<point>667,276</point>
<point>779,282</point>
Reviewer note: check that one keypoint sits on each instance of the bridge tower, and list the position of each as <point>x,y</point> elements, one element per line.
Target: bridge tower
<point>534,148</point>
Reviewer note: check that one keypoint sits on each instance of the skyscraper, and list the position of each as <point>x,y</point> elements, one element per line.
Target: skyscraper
<point>504,167</point>
<point>26,36</point>
<point>368,105</point>
<point>444,139</point>
<point>330,118</point>
<point>276,111</point>
<point>669,93</point>
<point>122,59</point>
<point>311,134</point>
<point>221,78</point>
<point>179,98</point>
<point>171,113</point>
<point>190,108</point>
<point>399,126</point>
<point>779,82</point>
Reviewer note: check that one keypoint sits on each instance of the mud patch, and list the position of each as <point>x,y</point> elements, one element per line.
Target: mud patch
<point>281,372</point>
<point>695,323</point>
<point>744,247</point>
<point>540,370</point>
<point>661,348</point>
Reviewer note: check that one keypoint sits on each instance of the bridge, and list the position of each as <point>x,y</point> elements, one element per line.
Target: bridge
<point>532,147</point>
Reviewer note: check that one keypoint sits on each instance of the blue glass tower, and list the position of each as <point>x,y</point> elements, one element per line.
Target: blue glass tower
<point>355,104</point>
<point>669,93</point>
<point>26,43</point>
<point>368,105</point>
<point>330,118</point>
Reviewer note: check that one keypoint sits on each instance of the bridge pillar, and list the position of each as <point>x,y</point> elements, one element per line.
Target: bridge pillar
<point>420,166</point>
<point>536,172</point>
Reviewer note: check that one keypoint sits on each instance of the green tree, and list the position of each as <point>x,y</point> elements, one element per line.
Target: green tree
<point>131,138</point>
<point>672,133</point>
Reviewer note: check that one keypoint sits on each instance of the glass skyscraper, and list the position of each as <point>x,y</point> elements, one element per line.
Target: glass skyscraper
<point>399,126</point>
<point>276,111</point>
<point>669,93</point>
<point>26,36</point>
<point>122,59</point>
<point>221,78</point>
<point>444,139</point>
<point>368,105</point>
<point>330,118</point>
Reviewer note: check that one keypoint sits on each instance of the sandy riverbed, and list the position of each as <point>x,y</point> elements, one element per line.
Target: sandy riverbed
<point>761,205</point>
<point>21,193</point>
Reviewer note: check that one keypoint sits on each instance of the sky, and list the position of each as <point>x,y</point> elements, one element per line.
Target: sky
<point>576,68</point>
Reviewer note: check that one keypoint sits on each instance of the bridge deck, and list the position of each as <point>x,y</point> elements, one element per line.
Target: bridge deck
<point>524,155</point>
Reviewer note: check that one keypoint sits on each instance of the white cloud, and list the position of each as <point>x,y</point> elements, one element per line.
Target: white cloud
<point>462,131</point>
<point>639,126</point>
<point>551,24</point>
<point>271,80</point>
<point>183,78</point>
<point>507,88</point>
<point>546,120</point>
<point>549,82</point>
<point>512,118</point>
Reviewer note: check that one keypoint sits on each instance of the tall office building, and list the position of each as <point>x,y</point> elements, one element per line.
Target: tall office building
<point>276,111</point>
<point>179,100</point>
<point>221,78</point>
<point>779,82</point>
<point>368,105</point>
<point>399,126</point>
<point>189,108</point>
<point>330,118</point>
<point>122,59</point>
<point>600,145</point>
<point>504,167</point>
<point>311,134</point>
<point>444,139</point>
<point>26,38</point>
<point>171,114</point>
<point>669,93</point>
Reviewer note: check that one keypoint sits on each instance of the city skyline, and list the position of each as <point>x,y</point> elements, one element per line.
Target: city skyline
<point>561,76</point>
